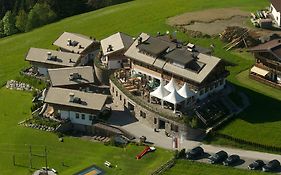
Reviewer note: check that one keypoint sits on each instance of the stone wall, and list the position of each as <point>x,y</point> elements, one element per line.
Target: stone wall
<point>145,116</point>
<point>101,74</point>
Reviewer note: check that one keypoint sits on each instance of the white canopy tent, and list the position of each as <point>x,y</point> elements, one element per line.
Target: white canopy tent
<point>174,98</point>
<point>171,86</point>
<point>186,92</point>
<point>160,93</point>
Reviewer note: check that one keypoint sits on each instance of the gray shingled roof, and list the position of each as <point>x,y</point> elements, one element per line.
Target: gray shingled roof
<point>155,46</point>
<point>79,42</point>
<point>61,77</point>
<point>90,101</point>
<point>210,62</point>
<point>62,58</point>
<point>180,56</point>
<point>118,41</point>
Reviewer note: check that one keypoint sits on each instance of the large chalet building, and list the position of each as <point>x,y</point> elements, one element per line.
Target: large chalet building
<point>267,67</point>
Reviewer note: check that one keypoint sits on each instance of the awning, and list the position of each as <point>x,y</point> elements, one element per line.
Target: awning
<point>259,71</point>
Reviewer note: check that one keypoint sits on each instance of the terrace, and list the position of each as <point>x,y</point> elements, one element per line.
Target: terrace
<point>138,88</point>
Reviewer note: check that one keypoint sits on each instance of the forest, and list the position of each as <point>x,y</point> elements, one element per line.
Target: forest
<point>18,16</point>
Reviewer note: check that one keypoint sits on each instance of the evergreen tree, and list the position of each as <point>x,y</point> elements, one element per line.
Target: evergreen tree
<point>2,34</point>
<point>21,20</point>
<point>39,15</point>
<point>9,24</point>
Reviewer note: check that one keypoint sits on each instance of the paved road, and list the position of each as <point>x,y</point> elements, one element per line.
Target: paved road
<point>161,140</point>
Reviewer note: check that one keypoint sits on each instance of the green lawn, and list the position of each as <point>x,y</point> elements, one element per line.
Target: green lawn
<point>261,121</point>
<point>184,167</point>
<point>76,153</point>
<point>133,18</point>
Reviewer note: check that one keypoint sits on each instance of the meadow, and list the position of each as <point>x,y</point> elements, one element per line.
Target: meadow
<point>132,18</point>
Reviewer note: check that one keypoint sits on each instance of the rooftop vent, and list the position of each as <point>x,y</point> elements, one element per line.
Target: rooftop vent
<point>49,54</point>
<point>75,76</point>
<point>51,57</point>
<point>74,99</point>
<point>69,43</point>
<point>190,47</point>
<point>140,40</point>
<point>109,48</point>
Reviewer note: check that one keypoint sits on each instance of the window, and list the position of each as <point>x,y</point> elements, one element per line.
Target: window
<point>77,115</point>
<point>120,97</point>
<point>216,84</point>
<point>155,120</point>
<point>116,93</point>
<point>83,117</point>
<point>91,117</point>
<point>113,89</point>
<point>142,114</point>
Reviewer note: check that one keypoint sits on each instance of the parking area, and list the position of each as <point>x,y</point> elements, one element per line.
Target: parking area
<point>243,163</point>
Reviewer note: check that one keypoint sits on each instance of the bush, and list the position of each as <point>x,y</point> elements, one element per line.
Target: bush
<point>194,123</point>
<point>176,154</point>
<point>181,154</point>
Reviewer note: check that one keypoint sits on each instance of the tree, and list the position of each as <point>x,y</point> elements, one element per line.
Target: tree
<point>39,15</point>
<point>21,20</point>
<point>2,34</point>
<point>9,24</point>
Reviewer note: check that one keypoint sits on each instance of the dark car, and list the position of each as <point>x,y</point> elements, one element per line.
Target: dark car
<point>271,166</point>
<point>256,165</point>
<point>218,157</point>
<point>195,152</point>
<point>231,160</point>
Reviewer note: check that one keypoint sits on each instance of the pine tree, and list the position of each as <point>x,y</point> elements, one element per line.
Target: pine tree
<point>9,24</point>
<point>21,20</point>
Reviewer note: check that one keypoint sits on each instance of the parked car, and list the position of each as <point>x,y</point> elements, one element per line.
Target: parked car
<point>218,157</point>
<point>231,160</point>
<point>195,152</point>
<point>271,166</point>
<point>256,165</point>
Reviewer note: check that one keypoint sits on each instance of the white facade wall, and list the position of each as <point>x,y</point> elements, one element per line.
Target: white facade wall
<point>276,15</point>
<point>72,116</point>
<point>220,87</point>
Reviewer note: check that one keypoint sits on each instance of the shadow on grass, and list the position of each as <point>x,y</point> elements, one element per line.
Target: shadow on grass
<point>262,108</point>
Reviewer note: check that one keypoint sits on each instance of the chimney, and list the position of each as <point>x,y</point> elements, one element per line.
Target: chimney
<point>140,40</point>
<point>71,97</point>
<point>109,48</point>
<point>69,42</point>
<point>49,55</point>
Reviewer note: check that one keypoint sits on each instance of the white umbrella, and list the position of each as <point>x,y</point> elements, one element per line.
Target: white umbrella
<point>160,93</point>
<point>171,86</point>
<point>174,98</point>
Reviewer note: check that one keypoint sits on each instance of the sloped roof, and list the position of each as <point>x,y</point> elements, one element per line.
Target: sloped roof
<point>81,42</point>
<point>61,77</point>
<point>185,91</point>
<point>276,4</point>
<point>118,41</point>
<point>273,46</point>
<point>61,96</point>
<point>174,98</point>
<point>62,58</point>
<point>210,62</point>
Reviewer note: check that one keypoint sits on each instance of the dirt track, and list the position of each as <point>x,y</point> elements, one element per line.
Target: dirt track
<point>212,21</point>
<point>206,16</point>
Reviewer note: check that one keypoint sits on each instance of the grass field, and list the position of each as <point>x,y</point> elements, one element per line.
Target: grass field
<point>185,167</point>
<point>133,17</point>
